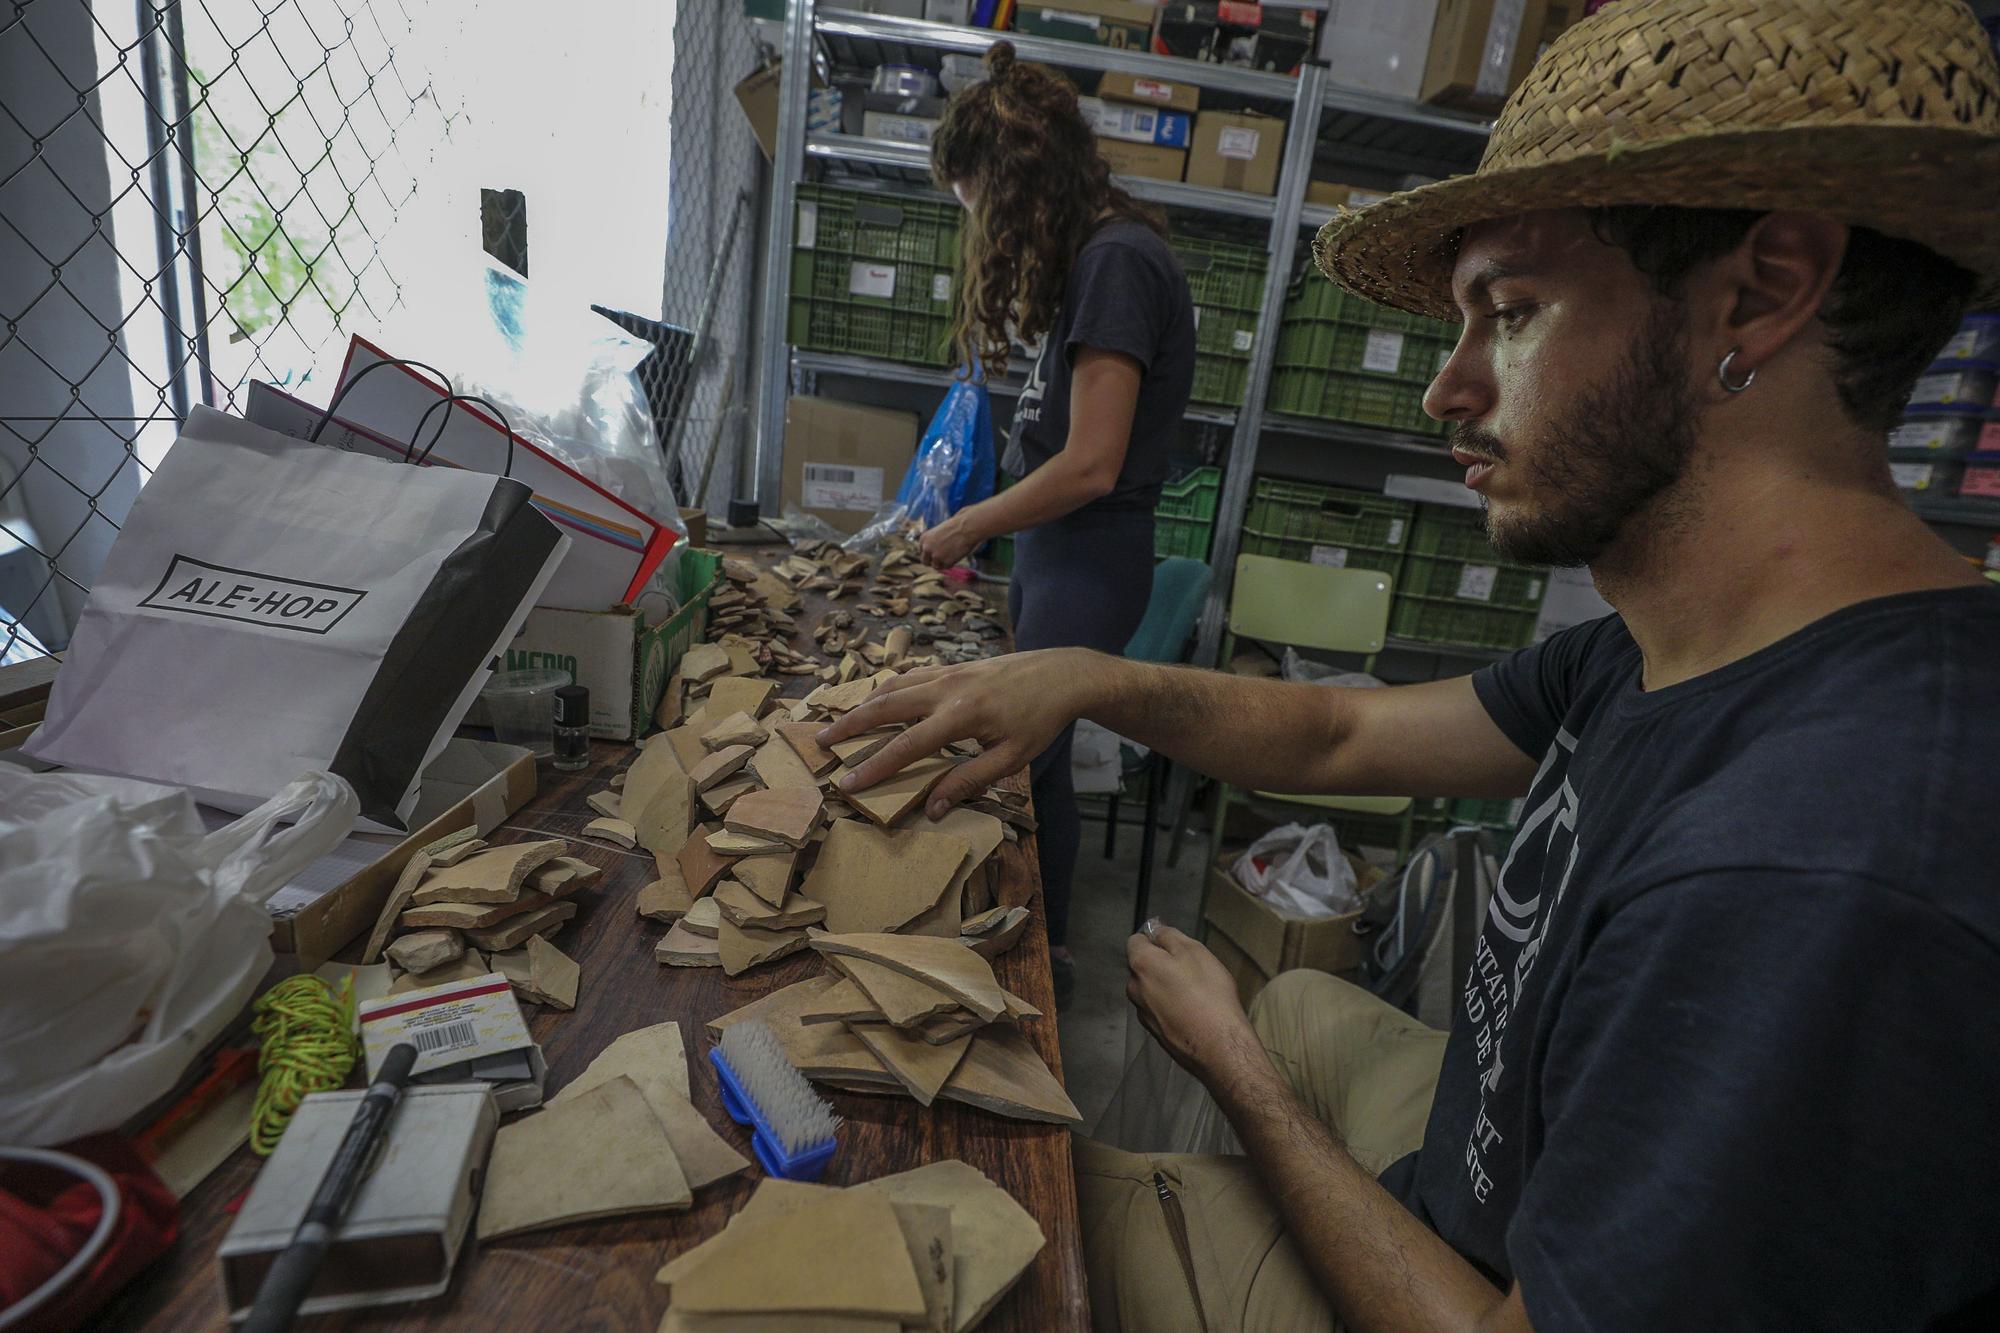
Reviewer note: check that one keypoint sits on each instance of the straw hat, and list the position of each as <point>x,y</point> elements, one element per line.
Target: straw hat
<point>1880,113</point>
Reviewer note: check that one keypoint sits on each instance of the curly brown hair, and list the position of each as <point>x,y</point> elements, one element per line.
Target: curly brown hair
<point>1029,163</point>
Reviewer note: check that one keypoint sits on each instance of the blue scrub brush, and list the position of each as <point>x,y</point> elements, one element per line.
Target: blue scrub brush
<point>791,1126</point>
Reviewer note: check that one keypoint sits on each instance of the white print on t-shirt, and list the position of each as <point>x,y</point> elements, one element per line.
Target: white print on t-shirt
<point>1492,988</point>
<point>1028,411</point>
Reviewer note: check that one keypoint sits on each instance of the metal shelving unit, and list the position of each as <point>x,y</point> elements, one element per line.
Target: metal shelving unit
<point>1370,131</point>
<point>1958,513</point>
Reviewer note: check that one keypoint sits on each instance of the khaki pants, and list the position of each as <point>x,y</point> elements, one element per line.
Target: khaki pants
<point>1363,1067</point>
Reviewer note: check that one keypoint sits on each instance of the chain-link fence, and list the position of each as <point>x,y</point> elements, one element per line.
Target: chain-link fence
<point>191,195</point>
<point>198,193</point>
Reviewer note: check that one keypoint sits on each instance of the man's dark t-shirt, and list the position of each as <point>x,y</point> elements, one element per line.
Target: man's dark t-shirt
<point>1125,293</point>
<point>1728,1055</point>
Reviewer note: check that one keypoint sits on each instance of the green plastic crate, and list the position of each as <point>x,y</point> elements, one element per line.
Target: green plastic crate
<point>1340,358</point>
<point>1326,525</point>
<point>1227,284</point>
<point>1497,814</point>
<point>1366,400</point>
<point>874,276</point>
<point>1185,518</point>
<point>1454,589</point>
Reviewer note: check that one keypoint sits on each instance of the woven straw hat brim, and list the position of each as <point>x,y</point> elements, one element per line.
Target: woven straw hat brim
<point>1931,184</point>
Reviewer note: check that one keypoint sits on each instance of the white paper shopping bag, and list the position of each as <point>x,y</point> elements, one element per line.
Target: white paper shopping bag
<point>271,607</point>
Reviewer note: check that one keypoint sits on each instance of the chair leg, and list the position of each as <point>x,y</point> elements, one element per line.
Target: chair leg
<point>1218,813</point>
<point>1111,827</point>
<point>1142,902</point>
<point>1180,800</point>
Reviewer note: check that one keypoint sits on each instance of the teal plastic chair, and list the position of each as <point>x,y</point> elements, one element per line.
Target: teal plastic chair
<point>1306,606</point>
<point>1180,587</point>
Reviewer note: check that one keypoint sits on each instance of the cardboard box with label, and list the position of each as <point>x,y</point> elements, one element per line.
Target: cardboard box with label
<point>1135,124</point>
<point>1139,90</point>
<point>1143,159</point>
<point>1070,25</point>
<point>1236,150</point>
<point>901,119</point>
<point>758,96</point>
<point>1255,941</point>
<point>1482,49</point>
<point>1333,194</point>
<point>843,461</point>
<point>1378,46</point>
<point>617,654</point>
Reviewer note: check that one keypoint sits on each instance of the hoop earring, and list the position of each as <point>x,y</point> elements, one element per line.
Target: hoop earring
<point>1722,374</point>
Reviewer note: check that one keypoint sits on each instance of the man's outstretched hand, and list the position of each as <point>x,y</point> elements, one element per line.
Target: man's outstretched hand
<point>1014,706</point>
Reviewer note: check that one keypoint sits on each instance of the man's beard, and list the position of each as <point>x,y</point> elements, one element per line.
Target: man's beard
<point>1619,447</point>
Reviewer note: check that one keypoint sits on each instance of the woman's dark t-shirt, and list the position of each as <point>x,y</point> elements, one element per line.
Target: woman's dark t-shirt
<point>1125,293</point>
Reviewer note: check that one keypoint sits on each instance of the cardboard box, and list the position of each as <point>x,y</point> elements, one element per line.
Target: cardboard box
<point>1069,26</point>
<point>758,96</point>
<point>1137,90</point>
<point>844,461</point>
<point>898,128</point>
<point>1333,194</point>
<point>470,783</point>
<point>1135,124</point>
<point>1481,50</point>
<point>1378,46</point>
<point>1143,159</point>
<point>1236,150</point>
<point>620,658</point>
<point>1261,941</point>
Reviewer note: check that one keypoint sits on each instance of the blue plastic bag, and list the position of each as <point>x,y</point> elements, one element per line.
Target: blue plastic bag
<point>954,463</point>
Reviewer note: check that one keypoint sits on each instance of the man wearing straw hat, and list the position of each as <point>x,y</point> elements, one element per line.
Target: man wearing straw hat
<point>1727,1053</point>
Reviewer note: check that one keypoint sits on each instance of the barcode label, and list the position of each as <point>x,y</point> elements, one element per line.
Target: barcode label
<point>1395,532</point>
<point>830,486</point>
<point>839,476</point>
<point>1384,352</point>
<point>444,1037</point>
<point>1238,143</point>
<point>808,230</point>
<point>1475,582</point>
<point>1334,556</point>
<point>941,287</point>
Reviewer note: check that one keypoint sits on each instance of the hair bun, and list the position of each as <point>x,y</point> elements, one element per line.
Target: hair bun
<point>999,58</point>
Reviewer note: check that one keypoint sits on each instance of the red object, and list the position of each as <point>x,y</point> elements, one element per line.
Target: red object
<point>47,1215</point>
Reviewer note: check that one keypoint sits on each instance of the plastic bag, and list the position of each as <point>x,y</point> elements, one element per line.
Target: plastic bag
<point>130,936</point>
<point>889,520</point>
<point>954,463</point>
<point>1299,869</point>
<point>563,375</point>
<point>1296,668</point>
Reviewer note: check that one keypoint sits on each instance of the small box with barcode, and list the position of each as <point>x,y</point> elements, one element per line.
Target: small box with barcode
<point>464,1031</point>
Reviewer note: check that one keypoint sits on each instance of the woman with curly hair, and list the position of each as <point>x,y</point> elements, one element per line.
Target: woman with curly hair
<point>1054,251</point>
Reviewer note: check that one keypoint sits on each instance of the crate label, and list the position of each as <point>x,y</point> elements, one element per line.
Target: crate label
<point>837,486</point>
<point>1385,352</point>
<point>871,280</point>
<point>1444,359</point>
<point>1239,143</point>
<point>1241,339</point>
<point>941,287</point>
<point>1913,476</point>
<point>1334,557</point>
<point>1922,435</point>
<point>1534,590</point>
<point>1475,582</point>
<point>808,237</point>
<point>1395,532</point>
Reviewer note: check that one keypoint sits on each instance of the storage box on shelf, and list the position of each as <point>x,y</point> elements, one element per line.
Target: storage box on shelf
<point>1341,358</point>
<point>873,276</point>
<point>1453,588</point>
<point>1227,284</point>
<point>1326,525</point>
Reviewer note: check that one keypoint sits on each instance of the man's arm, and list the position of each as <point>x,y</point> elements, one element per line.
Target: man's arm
<point>1434,739</point>
<point>1375,1262</point>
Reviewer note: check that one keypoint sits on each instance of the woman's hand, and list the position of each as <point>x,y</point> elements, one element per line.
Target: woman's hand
<point>949,542</point>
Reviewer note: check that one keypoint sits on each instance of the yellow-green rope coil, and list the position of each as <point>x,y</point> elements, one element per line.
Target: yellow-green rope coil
<point>307,1030</point>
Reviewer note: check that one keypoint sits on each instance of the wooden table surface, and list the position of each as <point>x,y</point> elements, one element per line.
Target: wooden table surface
<point>600,1275</point>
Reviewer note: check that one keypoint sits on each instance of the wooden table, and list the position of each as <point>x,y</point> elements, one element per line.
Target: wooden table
<point>600,1275</point>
